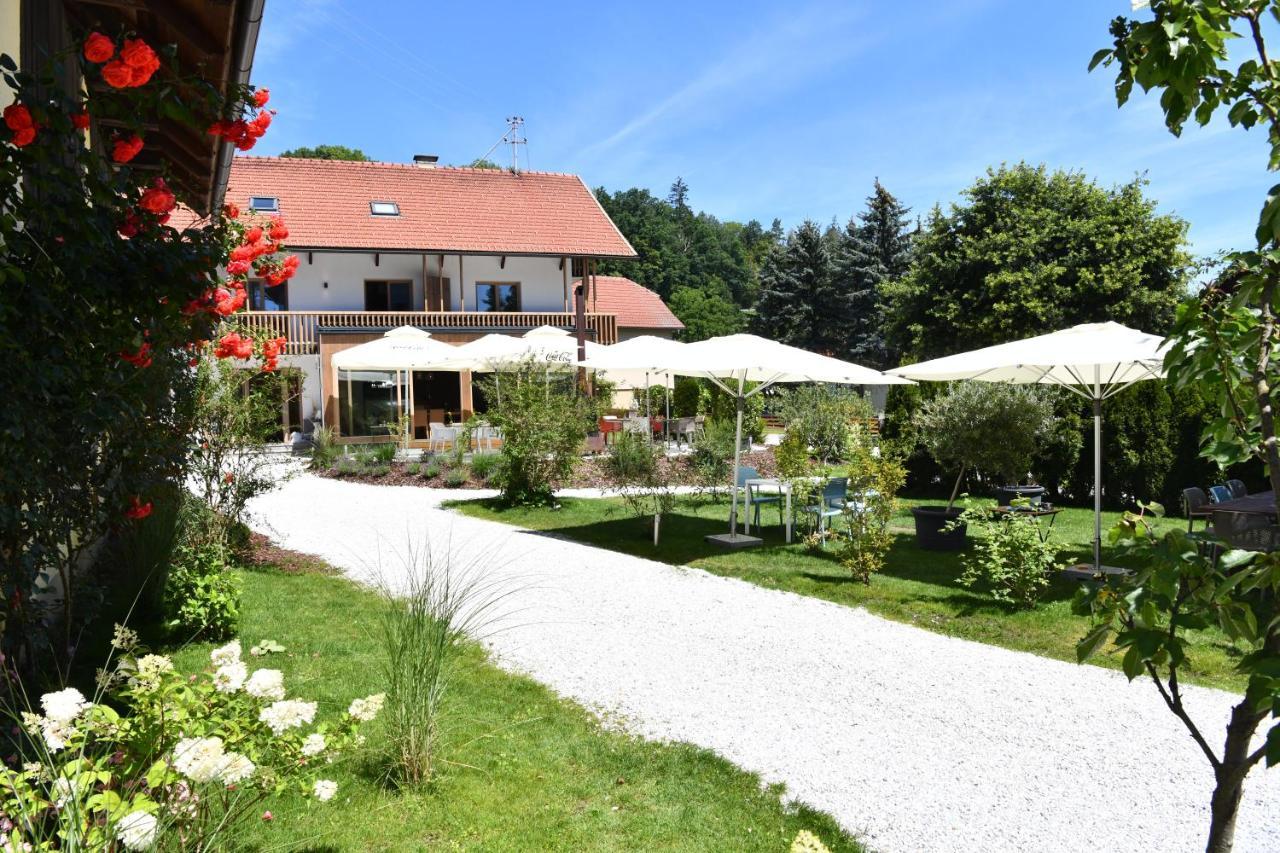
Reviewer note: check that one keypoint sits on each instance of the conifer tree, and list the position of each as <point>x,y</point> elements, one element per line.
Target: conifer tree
<point>875,248</point>
<point>800,303</point>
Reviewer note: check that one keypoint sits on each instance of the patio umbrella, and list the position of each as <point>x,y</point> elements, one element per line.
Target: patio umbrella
<point>1093,360</point>
<point>403,348</point>
<point>641,349</point>
<point>732,361</point>
<point>545,344</point>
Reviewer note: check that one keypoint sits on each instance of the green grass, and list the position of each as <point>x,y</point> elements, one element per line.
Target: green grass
<point>916,586</point>
<point>528,771</point>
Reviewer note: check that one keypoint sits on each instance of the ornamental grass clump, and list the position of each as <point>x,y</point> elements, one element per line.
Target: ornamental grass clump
<point>432,607</point>
<point>164,760</point>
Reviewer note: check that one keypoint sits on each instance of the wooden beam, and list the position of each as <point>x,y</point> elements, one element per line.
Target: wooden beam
<point>564,272</point>
<point>446,298</point>
<point>462,286</point>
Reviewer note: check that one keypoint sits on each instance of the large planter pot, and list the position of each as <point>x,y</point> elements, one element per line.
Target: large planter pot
<point>1008,494</point>
<point>930,521</point>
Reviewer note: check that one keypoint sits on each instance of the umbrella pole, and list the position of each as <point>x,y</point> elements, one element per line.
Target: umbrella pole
<point>666,423</point>
<point>648,416</point>
<point>737,461</point>
<point>1097,482</point>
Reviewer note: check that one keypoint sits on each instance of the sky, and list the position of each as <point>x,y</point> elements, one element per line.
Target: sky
<point>787,110</point>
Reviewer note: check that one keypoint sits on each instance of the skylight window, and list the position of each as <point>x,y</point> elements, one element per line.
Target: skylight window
<point>264,202</point>
<point>384,208</point>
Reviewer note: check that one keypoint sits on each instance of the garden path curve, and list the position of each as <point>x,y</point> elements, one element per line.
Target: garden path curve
<point>913,740</point>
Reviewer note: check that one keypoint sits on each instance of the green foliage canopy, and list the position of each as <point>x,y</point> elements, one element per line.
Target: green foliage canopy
<point>326,152</point>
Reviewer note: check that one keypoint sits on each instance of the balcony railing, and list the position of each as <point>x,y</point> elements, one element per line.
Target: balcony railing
<point>302,328</point>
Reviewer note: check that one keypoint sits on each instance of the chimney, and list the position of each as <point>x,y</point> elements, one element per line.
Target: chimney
<point>425,161</point>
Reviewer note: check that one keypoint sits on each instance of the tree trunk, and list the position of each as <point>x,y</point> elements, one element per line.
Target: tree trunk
<point>1229,776</point>
<point>1262,388</point>
<point>955,489</point>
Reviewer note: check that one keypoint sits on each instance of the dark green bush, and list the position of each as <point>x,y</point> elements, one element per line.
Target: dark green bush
<point>713,452</point>
<point>413,469</point>
<point>385,452</point>
<point>632,458</point>
<point>685,397</point>
<point>432,469</point>
<point>483,465</point>
<point>820,416</point>
<point>202,597</point>
<point>456,477</point>
<point>324,450</point>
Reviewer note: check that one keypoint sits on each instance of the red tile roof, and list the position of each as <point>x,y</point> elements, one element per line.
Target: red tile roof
<point>637,306</point>
<point>444,209</point>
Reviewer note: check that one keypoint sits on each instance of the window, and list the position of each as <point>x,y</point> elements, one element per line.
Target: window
<point>369,401</point>
<point>497,296</point>
<point>384,208</point>
<point>388,296</point>
<point>264,202</point>
<point>263,298</point>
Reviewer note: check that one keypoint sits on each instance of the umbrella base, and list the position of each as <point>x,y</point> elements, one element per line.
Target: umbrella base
<point>1086,572</point>
<point>735,540</point>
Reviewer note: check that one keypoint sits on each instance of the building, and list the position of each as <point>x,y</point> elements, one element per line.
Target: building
<point>459,252</point>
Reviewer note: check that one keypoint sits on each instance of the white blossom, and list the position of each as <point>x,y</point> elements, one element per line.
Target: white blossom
<point>230,677</point>
<point>200,759</point>
<point>236,767</point>
<point>266,684</point>
<point>55,734</point>
<point>324,789</point>
<point>124,638</point>
<point>137,831</point>
<point>223,655</point>
<point>287,714</point>
<point>367,708</point>
<point>313,744</point>
<point>63,706</point>
<point>150,668</point>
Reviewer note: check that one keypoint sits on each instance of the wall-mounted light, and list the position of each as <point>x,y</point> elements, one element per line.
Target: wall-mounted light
<point>326,285</point>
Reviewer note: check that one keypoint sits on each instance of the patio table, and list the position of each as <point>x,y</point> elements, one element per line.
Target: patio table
<point>774,484</point>
<point>1261,503</point>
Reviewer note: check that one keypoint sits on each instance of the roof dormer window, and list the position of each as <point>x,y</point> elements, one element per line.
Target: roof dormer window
<point>384,208</point>
<point>267,203</point>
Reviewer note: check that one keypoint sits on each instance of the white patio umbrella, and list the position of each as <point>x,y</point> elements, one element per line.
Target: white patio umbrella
<point>545,344</point>
<point>642,349</point>
<point>403,348</point>
<point>1093,360</point>
<point>734,360</point>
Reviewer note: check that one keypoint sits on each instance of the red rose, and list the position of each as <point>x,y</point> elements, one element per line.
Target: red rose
<point>130,226</point>
<point>234,345</point>
<point>125,148</point>
<point>139,56</point>
<point>261,97</point>
<point>137,510</point>
<point>18,117</point>
<point>253,235</point>
<point>278,230</point>
<point>157,198</point>
<point>117,74</point>
<point>141,358</point>
<point>98,48</point>
<point>238,268</point>
<point>231,211</point>
<point>242,253</point>
<point>81,119</point>
<point>24,137</point>
<point>142,74</point>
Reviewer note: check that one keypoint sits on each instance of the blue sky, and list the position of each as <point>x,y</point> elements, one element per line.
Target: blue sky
<point>766,109</point>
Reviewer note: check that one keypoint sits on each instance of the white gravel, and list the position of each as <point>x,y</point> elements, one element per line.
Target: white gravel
<point>916,741</point>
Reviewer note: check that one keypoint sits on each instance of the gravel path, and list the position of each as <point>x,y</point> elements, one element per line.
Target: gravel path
<point>916,741</point>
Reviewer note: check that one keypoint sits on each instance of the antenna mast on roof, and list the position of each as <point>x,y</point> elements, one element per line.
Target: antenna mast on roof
<point>513,137</point>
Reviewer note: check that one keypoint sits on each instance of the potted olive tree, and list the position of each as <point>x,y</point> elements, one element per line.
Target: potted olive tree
<point>982,427</point>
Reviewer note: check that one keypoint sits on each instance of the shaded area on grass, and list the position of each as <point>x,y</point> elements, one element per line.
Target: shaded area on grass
<point>916,586</point>
<point>526,771</point>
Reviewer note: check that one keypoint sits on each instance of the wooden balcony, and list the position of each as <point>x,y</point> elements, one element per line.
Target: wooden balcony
<point>302,328</point>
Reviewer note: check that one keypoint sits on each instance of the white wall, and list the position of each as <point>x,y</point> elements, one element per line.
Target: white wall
<point>344,273</point>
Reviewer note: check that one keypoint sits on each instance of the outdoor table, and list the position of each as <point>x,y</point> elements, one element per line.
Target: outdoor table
<point>1262,503</point>
<point>773,483</point>
<point>1031,512</point>
<point>1248,522</point>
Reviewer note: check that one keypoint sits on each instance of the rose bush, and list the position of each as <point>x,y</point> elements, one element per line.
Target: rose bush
<point>178,758</point>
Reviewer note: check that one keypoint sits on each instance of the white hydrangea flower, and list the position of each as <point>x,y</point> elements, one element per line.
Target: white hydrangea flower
<point>287,714</point>
<point>236,767</point>
<point>137,831</point>
<point>367,708</point>
<point>150,669</point>
<point>124,638</point>
<point>313,744</point>
<point>266,684</point>
<point>200,759</point>
<point>62,789</point>
<point>324,790</point>
<point>55,734</point>
<point>223,655</point>
<point>230,677</point>
<point>63,706</point>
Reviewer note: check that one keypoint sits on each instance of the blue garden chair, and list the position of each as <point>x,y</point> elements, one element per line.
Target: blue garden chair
<point>830,505</point>
<point>1219,494</point>
<point>754,502</point>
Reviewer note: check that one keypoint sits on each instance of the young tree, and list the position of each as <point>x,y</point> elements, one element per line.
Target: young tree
<point>1080,253</point>
<point>326,152</point>
<point>1223,344</point>
<point>874,248</point>
<point>705,315</point>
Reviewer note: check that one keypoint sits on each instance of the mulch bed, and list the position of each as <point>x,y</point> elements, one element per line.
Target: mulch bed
<point>261,551</point>
<point>590,474</point>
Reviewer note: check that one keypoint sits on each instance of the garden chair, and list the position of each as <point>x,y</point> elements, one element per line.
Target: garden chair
<point>1196,503</point>
<point>442,437</point>
<point>685,429</point>
<point>745,473</point>
<point>1219,494</point>
<point>831,504</point>
<point>1237,488</point>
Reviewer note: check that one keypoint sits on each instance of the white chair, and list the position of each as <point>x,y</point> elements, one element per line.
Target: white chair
<point>442,437</point>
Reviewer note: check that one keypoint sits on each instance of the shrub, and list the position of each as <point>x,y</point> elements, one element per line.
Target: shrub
<point>172,763</point>
<point>412,469</point>
<point>713,452</point>
<point>324,449</point>
<point>432,469</point>
<point>875,477</point>
<point>986,426</point>
<point>635,470</point>
<point>632,458</point>
<point>202,597</point>
<point>1009,554</point>
<point>723,406</point>
<point>544,421</point>
<point>792,456</point>
<point>378,469</point>
<point>456,477</point>
<point>483,465</point>
<point>384,452</point>
<point>348,466</point>
<point>821,416</point>
<point>685,397</point>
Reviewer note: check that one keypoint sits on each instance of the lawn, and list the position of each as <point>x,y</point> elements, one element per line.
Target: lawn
<point>918,587</point>
<point>528,770</point>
